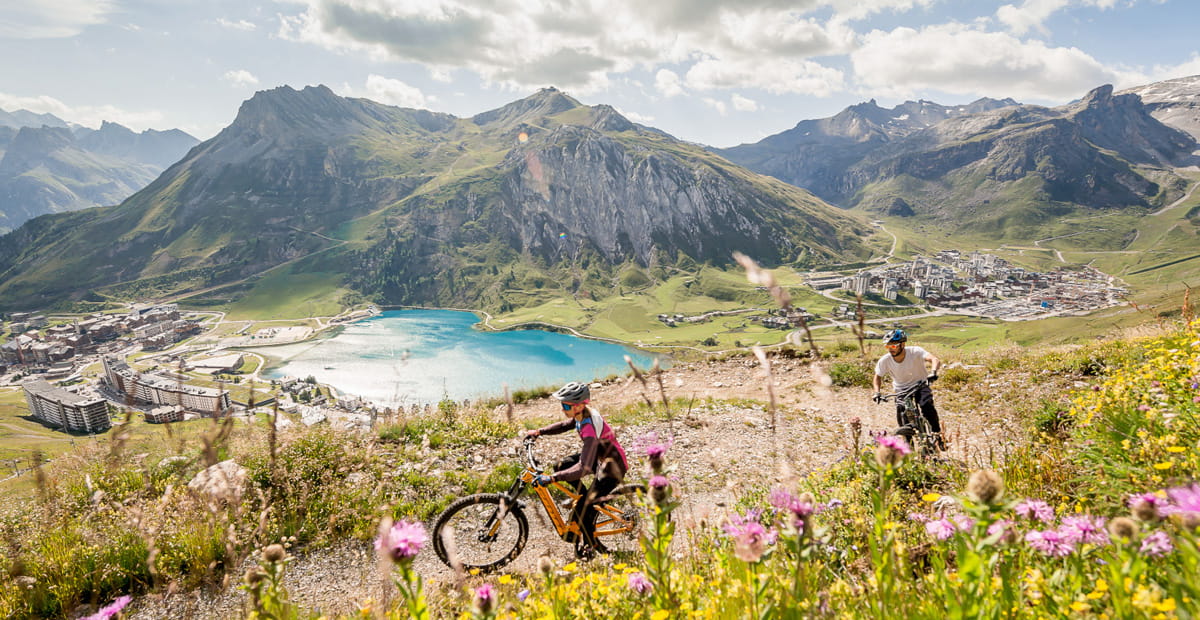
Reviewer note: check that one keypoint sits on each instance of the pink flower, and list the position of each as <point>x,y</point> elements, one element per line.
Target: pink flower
<point>963,522</point>
<point>1050,542</point>
<point>485,598</point>
<point>750,538</point>
<point>403,541</point>
<point>1148,506</point>
<point>1157,544</point>
<point>1034,509</point>
<point>919,517</point>
<point>659,482</point>
<point>1003,529</point>
<point>112,609</point>
<point>1084,529</point>
<point>639,583</point>
<point>941,529</point>
<point>895,443</point>
<point>1185,499</point>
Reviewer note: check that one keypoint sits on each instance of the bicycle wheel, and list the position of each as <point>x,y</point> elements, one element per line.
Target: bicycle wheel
<point>617,521</point>
<point>468,534</point>
<point>927,443</point>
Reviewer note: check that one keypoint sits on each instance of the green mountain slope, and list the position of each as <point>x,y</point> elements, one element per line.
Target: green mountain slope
<point>409,206</point>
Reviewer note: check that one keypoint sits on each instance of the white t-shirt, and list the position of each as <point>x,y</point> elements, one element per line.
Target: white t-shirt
<point>906,374</point>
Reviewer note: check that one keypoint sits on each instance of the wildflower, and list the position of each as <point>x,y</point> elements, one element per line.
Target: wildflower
<point>1050,542</point>
<point>1123,529</point>
<point>985,486</point>
<point>485,599</point>
<point>941,529</point>
<point>274,554</point>
<point>1034,509</point>
<point>890,450</point>
<point>919,517</point>
<point>1148,507</point>
<point>750,538</point>
<point>1157,544</point>
<point>1004,530</point>
<point>402,541</point>
<point>1185,502</point>
<point>1084,529</point>
<point>639,583</point>
<point>660,489</point>
<point>802,506</point>
<point>522,595</point>
<point>963,522</point>
<point>112,609</point>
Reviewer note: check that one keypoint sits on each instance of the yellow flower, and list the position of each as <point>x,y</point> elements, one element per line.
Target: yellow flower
<point>570,568</point>
<point>931,497</point>
<point>1164,465</point>
<point>1080,607</point>
<point>1176,449</point>
<point>1166,605</point>
<point>1101,585</point>
<point>504,579</point>
<point>661,614</point>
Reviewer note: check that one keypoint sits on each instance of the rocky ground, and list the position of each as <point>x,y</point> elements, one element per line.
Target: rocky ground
<point>718,450</point>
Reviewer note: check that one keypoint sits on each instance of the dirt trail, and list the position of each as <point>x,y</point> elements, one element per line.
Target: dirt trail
<point>717,451</point>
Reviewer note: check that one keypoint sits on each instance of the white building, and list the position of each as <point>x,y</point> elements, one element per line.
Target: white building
<point>65,409</point>
<point>155,390</point>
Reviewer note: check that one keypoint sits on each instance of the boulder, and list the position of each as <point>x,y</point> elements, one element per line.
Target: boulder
<point>224,481</point>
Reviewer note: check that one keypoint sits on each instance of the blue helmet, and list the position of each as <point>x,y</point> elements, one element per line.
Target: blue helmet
<point>896,335</point>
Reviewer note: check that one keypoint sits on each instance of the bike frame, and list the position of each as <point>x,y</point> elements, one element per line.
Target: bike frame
<point>913,417</point>
<point>616,523</point>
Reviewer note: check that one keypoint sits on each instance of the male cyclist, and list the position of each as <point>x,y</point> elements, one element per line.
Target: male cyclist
<point>906,365</point>
<point>601,455</point>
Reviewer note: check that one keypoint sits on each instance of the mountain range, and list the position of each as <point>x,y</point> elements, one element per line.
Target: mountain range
<point>548,197</point>
<point>410,206</point>
<point>993,166</point>
<point>50,166</point>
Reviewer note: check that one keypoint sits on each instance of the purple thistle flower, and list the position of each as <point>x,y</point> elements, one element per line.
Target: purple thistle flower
<point>895,443</point>
<point>1050,542</point>
<point>941,529</point>
<point>1148,506</point>
<point>1084,529</point>
<point>750,538</point>
<point>656,451</point>
<point>403,541</point>
<point>963,522</point>
<point>1157,544</point>
<point>1034,509</point>
<point>1004,529</point>
<point>1185,499</point>
<point>485,598</point>
<point>639,583</point>
<point>659,482</point>
<point>112,609</point>
<point>919,517</point>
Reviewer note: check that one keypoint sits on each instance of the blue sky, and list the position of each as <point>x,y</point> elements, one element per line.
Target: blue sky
<point>714,72</point>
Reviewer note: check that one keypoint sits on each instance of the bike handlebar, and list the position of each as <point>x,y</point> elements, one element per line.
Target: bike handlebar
<point>530,457</point>
<point>883,398</point>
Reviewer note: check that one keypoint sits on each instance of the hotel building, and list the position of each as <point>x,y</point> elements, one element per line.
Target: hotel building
<point>65,409</point>
<point>152,389</point>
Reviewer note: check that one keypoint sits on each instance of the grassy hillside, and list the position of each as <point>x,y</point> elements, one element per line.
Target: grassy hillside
<point>877,535</point>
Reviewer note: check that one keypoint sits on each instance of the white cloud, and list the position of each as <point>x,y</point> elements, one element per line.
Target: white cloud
<point>52,19</point>
<point>644,119</point>
<point>581,46</point>
<point>1033,13</point>
<point>777,76</point>
<point>88,116</point>
<point>961,59</point>
<point>667,83</point>
<point>395,92</point>
<point>715,104</point>
<point>1187,68</point>
<point>743,104</point>
<point>240,77</point>
<point>240,24</point>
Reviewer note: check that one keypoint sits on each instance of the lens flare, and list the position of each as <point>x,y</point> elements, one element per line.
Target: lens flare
<point>522,137</point>
<point>562,235</point>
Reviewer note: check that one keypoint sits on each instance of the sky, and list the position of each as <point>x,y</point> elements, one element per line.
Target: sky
<point>707,71</point>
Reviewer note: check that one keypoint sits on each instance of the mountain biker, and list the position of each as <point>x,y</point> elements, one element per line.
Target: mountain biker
<point>906,365</point>
<point>601,455</point>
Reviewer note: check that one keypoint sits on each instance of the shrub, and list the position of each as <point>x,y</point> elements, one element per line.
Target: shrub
<point>852,374</point>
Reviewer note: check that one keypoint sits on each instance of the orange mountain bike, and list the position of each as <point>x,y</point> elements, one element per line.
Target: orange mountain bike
<point>488,530</point>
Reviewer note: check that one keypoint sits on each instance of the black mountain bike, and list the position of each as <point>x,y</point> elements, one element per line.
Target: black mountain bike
<point>915,429</point>
<point>488,530</point>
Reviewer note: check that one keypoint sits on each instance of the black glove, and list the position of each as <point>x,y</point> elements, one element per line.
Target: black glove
<point>931,378</point>
<point>878,398</point>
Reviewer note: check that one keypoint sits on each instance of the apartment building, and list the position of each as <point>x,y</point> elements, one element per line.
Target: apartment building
<point>65,409</point>
<point>153,389</point>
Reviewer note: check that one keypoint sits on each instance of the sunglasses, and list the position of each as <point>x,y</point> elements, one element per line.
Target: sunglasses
<point>567,406</point>
<point>896,345</point>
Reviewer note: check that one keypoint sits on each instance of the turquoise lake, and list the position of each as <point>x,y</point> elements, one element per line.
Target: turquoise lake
<point>420,356</point>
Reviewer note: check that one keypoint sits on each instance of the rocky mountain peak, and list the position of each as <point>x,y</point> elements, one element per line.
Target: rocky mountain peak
<point>545,102</point>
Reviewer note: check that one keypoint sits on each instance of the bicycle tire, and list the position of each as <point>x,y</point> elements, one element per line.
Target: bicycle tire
<point>462,523</point>
<point>623,543</point>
